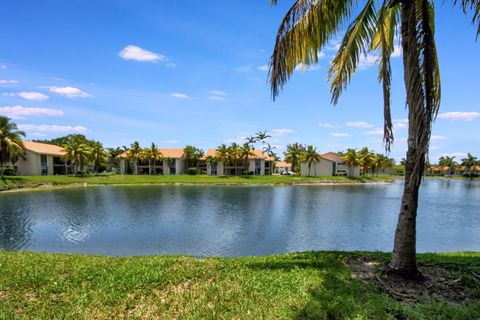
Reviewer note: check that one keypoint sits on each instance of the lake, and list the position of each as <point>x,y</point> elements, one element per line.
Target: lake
<point>235,220</point>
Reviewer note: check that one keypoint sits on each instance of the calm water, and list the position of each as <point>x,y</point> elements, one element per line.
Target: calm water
<point>235,221</point>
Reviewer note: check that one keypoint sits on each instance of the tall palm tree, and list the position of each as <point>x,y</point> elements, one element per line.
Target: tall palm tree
<point>470,162</point>
<point>152,155</point>
<point>113,156</point>
<point>311,156</point>
<point>77,152</point>
<point>134,154</point>
<point>234,155</point>
<point>98,155</point>
<point>449,162</point>
<point>10,141</point>
<point>223,154</point>
<point>366,160</point>
<point>307,28</point>
<point>293,155</point>
<point>351,159</point>
<point>245,153</point>
<point>262,136</point>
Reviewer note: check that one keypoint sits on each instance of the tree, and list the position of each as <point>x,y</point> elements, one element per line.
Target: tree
<point>311,156</point>
<point>77,152</point>
<point>307,28</point>
<point>293,154</point>
<point>223,154</point>
<point>11,143</point>
<point>234,154</point>
<point>98,155</point>
<point>366,160</point>
<point>152,155</point>
<point>262,136</point>
<point>449,162</point>
<point>246,152</point>
<point>134,154</point>
<point>192,155</point>
<point>470,163</point>
<point>113,156</point>
<point>351,159</point>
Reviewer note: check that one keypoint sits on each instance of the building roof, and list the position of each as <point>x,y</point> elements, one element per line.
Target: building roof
<point>166,153</point>
<point>44,148</point>
<point>283,164</point>
<point>258,154</point>
<point>332,156</point>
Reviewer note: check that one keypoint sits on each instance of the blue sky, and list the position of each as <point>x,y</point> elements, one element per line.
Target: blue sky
<point>158,71</point>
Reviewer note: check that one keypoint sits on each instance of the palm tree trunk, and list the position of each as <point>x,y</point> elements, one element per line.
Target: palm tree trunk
<point>404,251</point>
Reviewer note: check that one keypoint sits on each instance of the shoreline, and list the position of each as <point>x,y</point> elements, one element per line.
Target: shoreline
<point>53,186</point>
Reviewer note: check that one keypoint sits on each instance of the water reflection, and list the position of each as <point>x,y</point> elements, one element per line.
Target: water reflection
<point>235,221</point>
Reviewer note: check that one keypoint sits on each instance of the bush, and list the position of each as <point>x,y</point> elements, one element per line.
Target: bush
<point>7,171</point>
<point>248,173</point>
<point>192,171</point>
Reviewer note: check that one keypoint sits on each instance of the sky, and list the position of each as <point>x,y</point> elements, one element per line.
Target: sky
<point>195,73</point>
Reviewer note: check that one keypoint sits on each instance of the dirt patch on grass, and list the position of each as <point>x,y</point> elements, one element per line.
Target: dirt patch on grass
<point>438,283</point>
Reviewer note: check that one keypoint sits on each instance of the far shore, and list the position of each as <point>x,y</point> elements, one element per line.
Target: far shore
<point>29,183</point>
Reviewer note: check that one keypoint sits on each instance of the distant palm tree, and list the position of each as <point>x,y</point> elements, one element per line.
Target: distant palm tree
<point>351,159</point>
<point>152,155</point>
<point>470,163</point>
<point>311,156</point>
<point>246,152</point>
<point>293,155</point>
<point>366,159</point>
<point>10,141</point>
<point>98,155</point>
<point>134,154</point>
<point>449,162</point>
<point>212,161</point>
<point>223,155</point>
<point>262,136</point>
<point>235,155</point>
<point>113,156</point>
<point>77,152</point>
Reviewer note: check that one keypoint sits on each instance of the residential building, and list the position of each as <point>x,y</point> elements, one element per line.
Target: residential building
<point>281,167</point>
<point>258,163</point>
<point>172,162</point>
<point>325,167</point>
<point>339,168</point>
<point>42,159</point>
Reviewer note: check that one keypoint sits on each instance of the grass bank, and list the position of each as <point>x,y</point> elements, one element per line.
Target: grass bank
<point>108,179</point>
<point>315,285</point>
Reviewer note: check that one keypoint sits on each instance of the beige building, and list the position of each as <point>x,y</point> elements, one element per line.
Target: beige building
<point>42,159</point>
<point>259,163</point>
<point>282,167</point>
<point>172,163</point>
<point>325,167</point>
<point>340,169</point>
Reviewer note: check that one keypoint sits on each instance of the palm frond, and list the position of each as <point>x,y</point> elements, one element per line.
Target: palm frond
<point>306,28</point>
<point>355,43</point>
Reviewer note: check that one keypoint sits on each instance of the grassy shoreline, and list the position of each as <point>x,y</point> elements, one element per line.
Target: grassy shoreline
<point>45,182</point>
<point>311,285</point>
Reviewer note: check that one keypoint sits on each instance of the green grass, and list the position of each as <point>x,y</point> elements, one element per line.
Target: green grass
<point>315,285</point>
<point>109,179</point>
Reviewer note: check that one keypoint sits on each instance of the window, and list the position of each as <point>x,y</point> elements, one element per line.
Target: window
<point>44,164</point>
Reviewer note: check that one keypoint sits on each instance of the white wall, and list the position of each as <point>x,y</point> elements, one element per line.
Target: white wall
<point>30,166</point>
<point>322,168</point>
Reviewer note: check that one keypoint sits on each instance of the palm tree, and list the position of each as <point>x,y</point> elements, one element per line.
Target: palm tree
<point>307,28</point>
<point>223,154</point>
<point>351,159</point>
<point>246,152</point>
<point>293,154</point>
<point>77,152</point>
<point>10,141</point>
<point>262,136</point>
<point>449,162</point>
<point>470,163</point>
<point>311,156</point>
<point>152,155</point>
<point>113,156</point>
<point>234,154</point>
<point>366,159</point>
<point>135,154</point>
<point>97,155</point>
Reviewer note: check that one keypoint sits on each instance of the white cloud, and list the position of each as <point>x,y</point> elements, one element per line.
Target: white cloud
<point>172,141</point>
<point>37,134</point>
<point>400,123</point>
<point>397,51</point>
<point>218,93</point>
<point>341,134</point>
<point>132,52</point>
<point>8,82</point>
<point>333,45</point>
<point>328,125</point>
<point>179,95</point>
<point>281,132</point>
<point>375,132</point>
<point>32,96</point>
<point>51,128</point>
<point>20,112</point>
<point>359,124</point>
<point>367,61</point>
<point>69,92</point>
<point>263,67</point>
<point>306,67</point>
<point>216,98</point>
<point>58,79</point>
<point>171,65</point>
<point>244,68</point>
<point>459,116</point>
<point>437,138</point>
<point>2,66</point>
<point>457,155</point>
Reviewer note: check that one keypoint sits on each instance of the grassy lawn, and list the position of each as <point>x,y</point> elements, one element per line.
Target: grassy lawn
<point>294,286</point>
<point>31,181</point>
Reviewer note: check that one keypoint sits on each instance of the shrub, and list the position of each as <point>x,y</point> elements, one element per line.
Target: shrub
<point>7,171</point>
<point>248,173</point>
<point>192,171</point>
